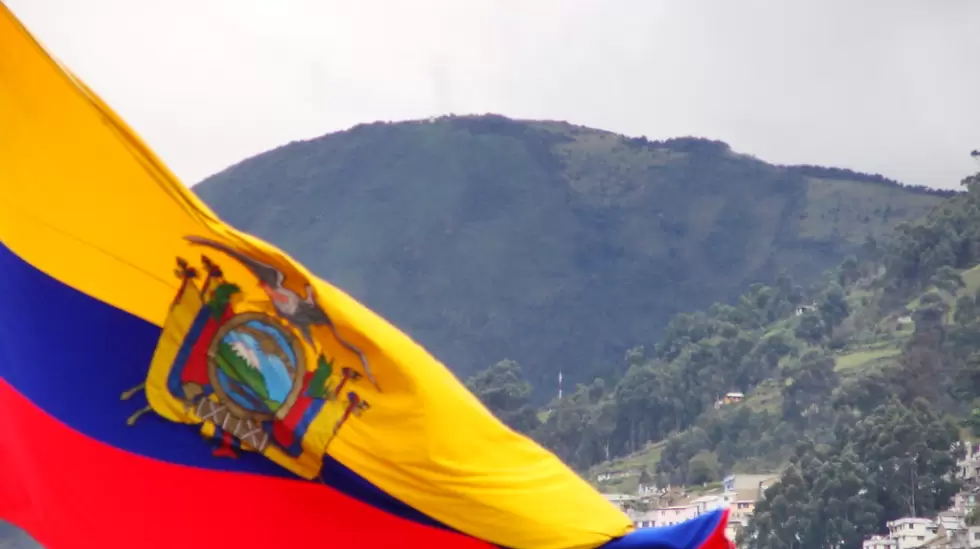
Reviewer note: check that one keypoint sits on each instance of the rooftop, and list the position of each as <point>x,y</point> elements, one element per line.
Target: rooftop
<point>911,520</point>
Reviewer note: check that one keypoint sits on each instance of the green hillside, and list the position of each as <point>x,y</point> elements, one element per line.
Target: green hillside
<point>554,245</point>
<point>857,399</point>
<point>875,354</point>
<point>859,362</point>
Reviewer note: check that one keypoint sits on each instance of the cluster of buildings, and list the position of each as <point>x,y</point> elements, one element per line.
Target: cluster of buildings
<point>947,531</point>
<point>950,528</point>
<point>651,507</point>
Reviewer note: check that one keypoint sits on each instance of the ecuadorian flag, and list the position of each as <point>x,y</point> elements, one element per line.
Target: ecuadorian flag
<point>167,381</point>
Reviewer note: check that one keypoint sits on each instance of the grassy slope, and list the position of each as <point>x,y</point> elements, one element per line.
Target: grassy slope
<point>840,208</point>
<point>851,363</point>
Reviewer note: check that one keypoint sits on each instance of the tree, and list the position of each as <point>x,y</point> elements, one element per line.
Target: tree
<point>784,517</point>
<point>966,310</point>
<point>947,279</point>
<point>702,468</point>
<point>506,392</point>
<point>645,478</point>
<point>643,401</point>
<point>833,306</point>
<point>894,462</point>
<point>763,361</point>
<point>807,386</point>
<point>910,457</point>
<point>845,516</point>
<point>868,391</point>
<point>599,428</point>
<point>871,252</point>
<point>922,363</point>
<point>811,327</point>
<point>849,271</point>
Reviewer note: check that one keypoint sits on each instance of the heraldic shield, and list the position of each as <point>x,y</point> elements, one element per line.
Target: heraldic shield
<point>248,371</point>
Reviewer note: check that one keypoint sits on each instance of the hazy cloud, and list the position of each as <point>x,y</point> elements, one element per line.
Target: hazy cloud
<point>888,86</point>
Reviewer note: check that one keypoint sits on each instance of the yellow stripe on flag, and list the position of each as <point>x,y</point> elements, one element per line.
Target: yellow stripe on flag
<point>87,202</point>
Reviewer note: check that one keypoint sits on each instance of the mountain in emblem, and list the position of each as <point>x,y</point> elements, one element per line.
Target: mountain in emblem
<point>247,354</point>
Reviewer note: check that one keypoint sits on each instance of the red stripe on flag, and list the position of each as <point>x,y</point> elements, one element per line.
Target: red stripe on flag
<point>70,491</point>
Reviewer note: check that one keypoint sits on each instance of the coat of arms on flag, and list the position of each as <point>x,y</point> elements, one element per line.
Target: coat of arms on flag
<point>253,377</point>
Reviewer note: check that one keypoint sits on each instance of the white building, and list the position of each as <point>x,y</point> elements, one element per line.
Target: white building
<point>664,516</point>
<point>705,504</point>
<point>966,500</point>
<point>912,532</point>
<point>952,523</point>
<point>613,475</point>
<point>625,502</point>
<point>645,491</point>
<point>756,484</point>
<point>973,537</point>
<point>879,542</point>
<point>803,309</point>
<point>739,496</point>
<point>667,516</point>
<point>968,468</point>
<point>733,528</point>
<point>647,519</point>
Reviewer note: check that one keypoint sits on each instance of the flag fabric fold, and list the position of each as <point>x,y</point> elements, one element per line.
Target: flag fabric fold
<point>166,379</point>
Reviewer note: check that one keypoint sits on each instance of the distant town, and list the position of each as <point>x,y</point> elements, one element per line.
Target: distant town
<point>953,528</point>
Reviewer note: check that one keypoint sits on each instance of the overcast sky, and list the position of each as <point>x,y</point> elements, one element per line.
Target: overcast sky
<point>887,86</point>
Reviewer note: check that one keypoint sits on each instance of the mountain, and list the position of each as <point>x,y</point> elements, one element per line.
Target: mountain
<point>555,245</point>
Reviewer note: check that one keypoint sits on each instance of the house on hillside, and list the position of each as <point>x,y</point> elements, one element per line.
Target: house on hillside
<point>879,542</point>
<point>673,506</point>
<point>973,537</point>
<point>803,309</point>
<point>733,397</point>
<point>667,516</point>
<point>968,467</point>
<point>955,537</point>
<point>947,531</point>
<point>900,322</point>
<point>749,487</point>
<point>671,497</point>
<point>647,491</point>
<point>912,532</point>
<point>614,475</point>
<point>967,499</point>
<point>744,505</point>
<point>952,524</point>
<point>706,504</point>
<point>664,516</point>
<point>646,519</point>
<point>622,501</point>
<point>729,398</point>
<point>734,528</point>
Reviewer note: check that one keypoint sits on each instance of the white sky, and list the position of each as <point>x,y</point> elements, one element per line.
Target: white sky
<point>887,86</point>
